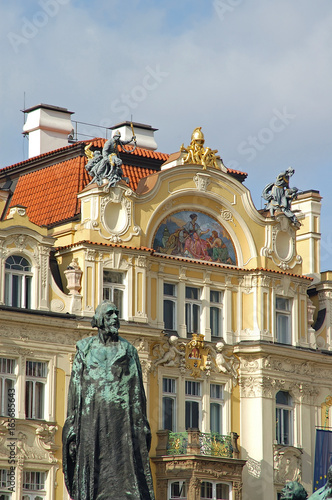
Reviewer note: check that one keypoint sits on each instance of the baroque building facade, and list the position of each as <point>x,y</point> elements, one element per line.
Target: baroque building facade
<point>225,304</point>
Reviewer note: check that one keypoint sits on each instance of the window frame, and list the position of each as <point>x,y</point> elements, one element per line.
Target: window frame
<point>34,380</point>
<point>4,394</point>
<point>173,300</point>
<point>181,483</point>
<point>287,314</point>
<point>173,397</point>
<point>280,412</point>
<point>193,398</point>
<point>220,401</point>
<point>32,493</point>
<point>214,485</point>
<point>122,287</point>
<point>217,306</point>
<point>191,305</point>
<point>25,279</point>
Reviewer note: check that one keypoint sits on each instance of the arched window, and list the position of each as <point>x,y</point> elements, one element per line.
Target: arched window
<point>284,418</point>
<point>215,491</point>
<point>177,490</point>
<point>18,278</point>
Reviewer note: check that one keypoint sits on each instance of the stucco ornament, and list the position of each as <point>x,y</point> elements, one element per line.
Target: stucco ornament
<point>279,195</point>
<point>107,164</point>
<point>195,356</point>
<point>287,464</point>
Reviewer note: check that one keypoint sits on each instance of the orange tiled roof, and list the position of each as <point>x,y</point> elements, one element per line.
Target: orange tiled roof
<point>50,194</point>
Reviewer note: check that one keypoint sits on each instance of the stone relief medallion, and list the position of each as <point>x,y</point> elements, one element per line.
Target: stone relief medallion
<point>194,235</point>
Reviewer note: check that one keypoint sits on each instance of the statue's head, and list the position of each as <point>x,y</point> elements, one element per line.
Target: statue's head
<point>106,319</point>
<point>116,135</point>
<point>290,171</point>
<point>294,491</point>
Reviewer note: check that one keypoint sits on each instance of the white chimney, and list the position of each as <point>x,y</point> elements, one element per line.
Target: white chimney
<point>144,134</point>
<point>48,128</point>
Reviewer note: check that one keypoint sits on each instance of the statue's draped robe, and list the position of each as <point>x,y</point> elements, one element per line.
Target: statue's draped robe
<point>107,421</point>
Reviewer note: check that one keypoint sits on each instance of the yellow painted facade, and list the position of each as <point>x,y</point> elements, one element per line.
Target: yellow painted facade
<point>253,291</point>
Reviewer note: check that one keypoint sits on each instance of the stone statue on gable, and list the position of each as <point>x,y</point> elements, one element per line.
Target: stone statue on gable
<point>108,164</point>
<point>279,195</point>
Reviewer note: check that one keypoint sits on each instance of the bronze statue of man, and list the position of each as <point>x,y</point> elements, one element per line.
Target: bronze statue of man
<point>106,437</point>
<point>293,490</point>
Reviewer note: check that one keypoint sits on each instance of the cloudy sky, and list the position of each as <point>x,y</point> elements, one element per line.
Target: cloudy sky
<point>256,75</point>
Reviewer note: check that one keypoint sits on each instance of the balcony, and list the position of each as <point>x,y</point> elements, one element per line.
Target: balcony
<point>193,457</point>
<point>213,444</point>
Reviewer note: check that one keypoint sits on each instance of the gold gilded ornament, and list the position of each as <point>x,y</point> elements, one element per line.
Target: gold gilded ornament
<point>197,154</point>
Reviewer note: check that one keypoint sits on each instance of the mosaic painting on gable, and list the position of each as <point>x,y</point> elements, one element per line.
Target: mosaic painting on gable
<point>194,235</point>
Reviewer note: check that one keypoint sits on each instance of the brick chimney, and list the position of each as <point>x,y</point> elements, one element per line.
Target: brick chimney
<point>48,128</point>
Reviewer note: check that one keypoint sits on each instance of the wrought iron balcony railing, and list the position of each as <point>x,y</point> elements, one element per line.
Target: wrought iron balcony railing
<point>195,442</point>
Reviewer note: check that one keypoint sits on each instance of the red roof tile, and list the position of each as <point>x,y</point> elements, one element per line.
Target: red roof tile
<point>50,194</point>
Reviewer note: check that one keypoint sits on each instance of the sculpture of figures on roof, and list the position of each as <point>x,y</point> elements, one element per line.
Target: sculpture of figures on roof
<point>108,164</point>
<point>294,491</point>
<point>326,491</point>
<point>279,195</point>
<point>197,154</point>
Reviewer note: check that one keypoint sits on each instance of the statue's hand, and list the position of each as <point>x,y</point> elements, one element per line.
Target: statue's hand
<point>72,451</point>
<point>134,138</point>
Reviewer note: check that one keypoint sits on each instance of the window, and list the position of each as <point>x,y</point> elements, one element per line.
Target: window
<point>169,404</point>
<point>216,316</point>
<point>283,320</point>
<point>170,306</point>
<point>284,418</point>
<point>5,478</point>
<point>177,490</point>
<point>36,372</point>
<point>215,491</point>
<point>18,278</point>
<point>193,309</point>
<point>113,288</point>
<point>33,485</point>
<point>7,387</point>
<point>192,404</point>
<point>216,407</point>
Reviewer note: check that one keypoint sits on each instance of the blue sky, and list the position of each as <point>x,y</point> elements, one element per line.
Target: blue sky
<point>257,76</point>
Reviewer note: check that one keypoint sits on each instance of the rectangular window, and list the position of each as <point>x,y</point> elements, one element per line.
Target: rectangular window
<point>216,315</point>
<point>193,309</point>
<point>169,404</point>
<point>36,373</point>
<point>283,320</point>
<point>192,404</point>
<point>170,306</point>
<point>5,494</point>
<point>284,426</point>
<point>113,289</point>
<point>216,407</point>
<point>34,485</point>
<point>7,386</point>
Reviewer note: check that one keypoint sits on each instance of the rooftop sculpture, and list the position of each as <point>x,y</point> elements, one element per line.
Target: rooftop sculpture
<point>197,154</point>
<point>279,195</point>
<point>107,165</point>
